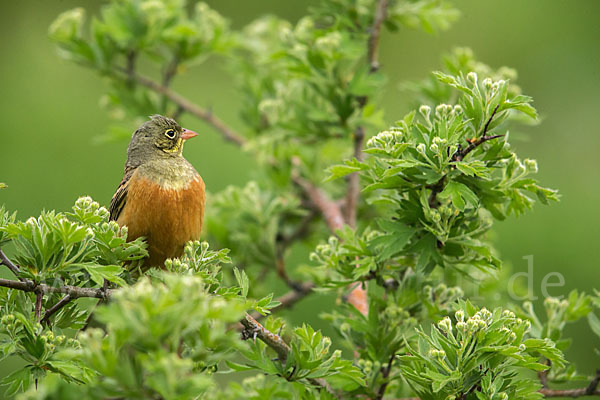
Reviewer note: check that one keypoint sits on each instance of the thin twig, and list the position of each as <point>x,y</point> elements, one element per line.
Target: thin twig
<point>477,142</point>
<point>353,190</point>
<point>253,329</point>
<point>373,46</point>
<point>39,296</point>
<point>543,375</point>
<point>52,310</point>
<point>14,268</point>
<point>227,132</point>
<point>385,372</point>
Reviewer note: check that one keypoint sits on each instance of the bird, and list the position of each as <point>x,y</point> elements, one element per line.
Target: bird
<point>161,196</point>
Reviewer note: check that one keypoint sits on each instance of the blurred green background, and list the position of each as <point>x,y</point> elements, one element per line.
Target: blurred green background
<point>50,115</point>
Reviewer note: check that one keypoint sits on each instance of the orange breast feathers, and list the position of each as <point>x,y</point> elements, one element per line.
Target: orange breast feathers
<point>168,218</point>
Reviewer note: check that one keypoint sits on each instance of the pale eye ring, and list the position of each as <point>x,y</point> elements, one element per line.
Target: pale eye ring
<point>170,133</point>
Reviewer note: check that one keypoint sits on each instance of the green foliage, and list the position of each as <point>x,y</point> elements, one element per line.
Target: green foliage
<point>73,246</point>
<point>477,357</point>
<point>440,193</point>
<point>433,184</point>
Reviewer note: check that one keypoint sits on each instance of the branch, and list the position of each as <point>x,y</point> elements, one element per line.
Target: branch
<point>330,210</point>
<point>253,329</point>
<point>373,46</point>
<point>385,372</point>
<point>353,191</point>
<point>15,269</point>
<point>74,291</point>
<point>474,143</point>
<point>52,310</point>
<point>39,296</point>
<point>590,390</point>
<point>227,132</point>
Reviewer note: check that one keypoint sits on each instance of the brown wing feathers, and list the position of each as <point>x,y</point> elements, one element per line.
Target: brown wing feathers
<point>120,197</point>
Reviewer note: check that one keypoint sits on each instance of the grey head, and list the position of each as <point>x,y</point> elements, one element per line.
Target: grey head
<point>159,138</point>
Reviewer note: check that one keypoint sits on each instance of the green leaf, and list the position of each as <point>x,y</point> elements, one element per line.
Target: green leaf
<point>242,280</point>
<point>460,195</point>
<point>473,168</point>
<point>594,323</point>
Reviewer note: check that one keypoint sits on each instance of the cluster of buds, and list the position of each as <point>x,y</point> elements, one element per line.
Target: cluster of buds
<point>510,335</point>
<point>445,325</point>
<point>10,323</point>
<point>89,211</point>
<point>386,140</point>
<point>368,366</point>
<point>329,44</point>
<point>51,341</point>
<point>325,251</point>
<point>439,354</point>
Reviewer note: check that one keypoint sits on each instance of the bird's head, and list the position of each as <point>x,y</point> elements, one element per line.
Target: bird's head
<point>159,137</point>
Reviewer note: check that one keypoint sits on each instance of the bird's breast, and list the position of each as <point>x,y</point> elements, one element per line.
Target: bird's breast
<point>168,215</point>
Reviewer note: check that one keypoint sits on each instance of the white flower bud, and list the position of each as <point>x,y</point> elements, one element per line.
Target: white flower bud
<point>531,166</point>
<point>445,325</point>
<point>472,77</point>
<point>425,111</point>
<point>421,148</point>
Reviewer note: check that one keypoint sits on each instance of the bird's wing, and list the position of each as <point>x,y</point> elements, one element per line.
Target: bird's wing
<point>120,197</point>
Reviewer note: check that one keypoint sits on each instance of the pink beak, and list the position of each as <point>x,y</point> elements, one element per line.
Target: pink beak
<point>187,134</point>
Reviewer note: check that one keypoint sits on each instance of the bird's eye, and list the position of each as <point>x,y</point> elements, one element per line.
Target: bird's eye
<point>170,133</point>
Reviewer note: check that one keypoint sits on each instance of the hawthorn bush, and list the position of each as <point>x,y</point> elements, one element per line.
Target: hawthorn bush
<point>391,217</point>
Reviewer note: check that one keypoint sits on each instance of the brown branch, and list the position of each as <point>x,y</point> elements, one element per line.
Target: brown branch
<point>39,296</point>
<point>373,46</point>
<point>74,291</point>
<point>353,191</point>
<point>331,211</point>
<point>14,268</point>
<point>477,142</point>
<point>52,310</point>
<point>227,132</point>
<point>385,372</point>
<point>253,329</point>
<point>590,390</point>
<point>543,375</point>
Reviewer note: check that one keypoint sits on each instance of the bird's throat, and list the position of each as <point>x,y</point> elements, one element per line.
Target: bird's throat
<point>171,174</point>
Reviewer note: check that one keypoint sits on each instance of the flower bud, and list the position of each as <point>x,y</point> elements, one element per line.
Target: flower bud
<point>445,325</point>
<point>425,111</point>
<point>421,148</point>
<point>472,77</point>
<point>459,315</point>
<point>531,166</point>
